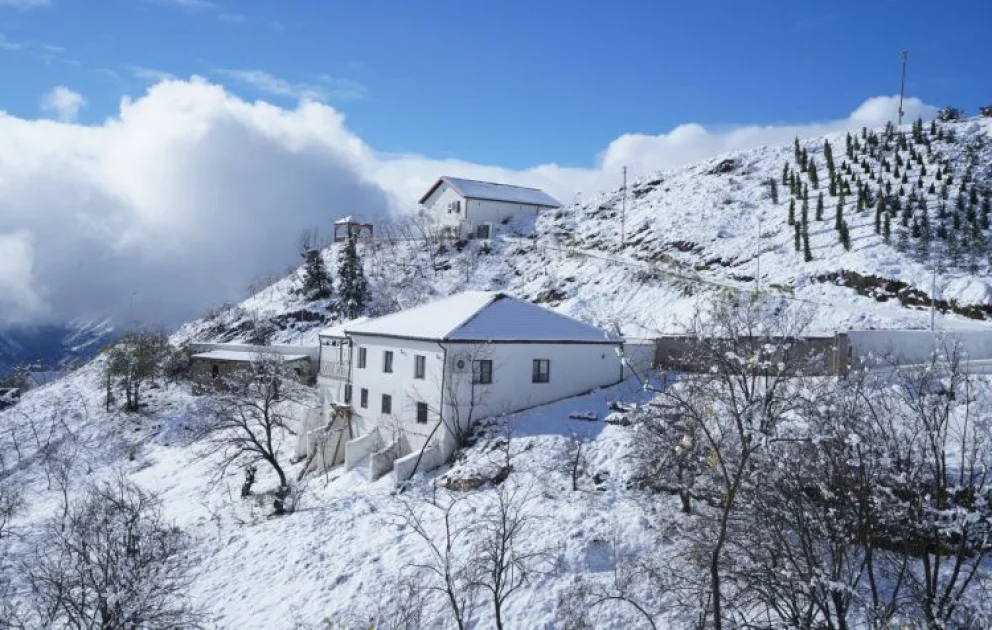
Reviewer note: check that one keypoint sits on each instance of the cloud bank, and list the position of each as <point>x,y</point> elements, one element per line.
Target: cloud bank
<point>63,103</point>
<point>190,192</point>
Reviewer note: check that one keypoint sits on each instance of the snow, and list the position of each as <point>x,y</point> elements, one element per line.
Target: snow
<point>231,355</point>
<point>482,316</point>
<point>473,189</point>
<point>340,330</point>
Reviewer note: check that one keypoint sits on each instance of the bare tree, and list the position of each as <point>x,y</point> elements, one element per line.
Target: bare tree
<point>502,562</point>
<point>114,564</point>
<point>251,415</point>
<point>735,407</point>
<point>575,457</point>
<point>446,569</point>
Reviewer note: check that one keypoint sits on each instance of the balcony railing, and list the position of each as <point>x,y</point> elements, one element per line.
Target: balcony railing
<point>329,369</point>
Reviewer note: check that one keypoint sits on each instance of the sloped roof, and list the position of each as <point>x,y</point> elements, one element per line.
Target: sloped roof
<point>341,329</point>
<point>483,316</point>
<point>242,357</point>
<point>473,189</point>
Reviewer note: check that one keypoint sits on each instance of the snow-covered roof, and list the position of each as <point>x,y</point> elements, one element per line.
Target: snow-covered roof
<point>347,220</point>
<point>340,329</point>
<point>482,316</point>
<point>472,189</point>
<point>246,357</point>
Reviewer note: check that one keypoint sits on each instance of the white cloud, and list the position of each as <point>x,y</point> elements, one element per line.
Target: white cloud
<point>63,102</point>
<point>327,89</point>
<point>151,75</point>
<point>25,4</point>
<point>191,192</point>
<point>188,5</point>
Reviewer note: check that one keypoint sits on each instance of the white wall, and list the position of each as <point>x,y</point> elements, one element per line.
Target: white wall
<point>485,211</point>
<point>438,202</point>
<point>575,369</point>
<point>405,390</point>
<point>917,346</point>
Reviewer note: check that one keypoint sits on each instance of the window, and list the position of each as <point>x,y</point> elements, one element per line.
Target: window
<point>362,357</point>
<point>482,372</point>
<point>387,403</point>
<point>421,413</point>
<point>215,370</point>
<point>347,394</point>
<point>387,361</point>
<point>542,371</point>
<point>365,398</point>
<point>419,366</point>
<point>482,231</point>
<point>455,206</point>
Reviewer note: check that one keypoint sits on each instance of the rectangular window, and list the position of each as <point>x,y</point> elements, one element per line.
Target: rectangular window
<point>419,366</point>
<point>482,372</point>
<point>421,413</point>
<point>387,403</point>
<point>362,357</point>
<point>542,371</point>
<point>387,361</point>
<point>347,394</point>
<point>365,398</point>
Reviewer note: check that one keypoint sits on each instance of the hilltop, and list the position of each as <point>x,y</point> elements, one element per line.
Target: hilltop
<point>694,231</point>
<point>691,234</point>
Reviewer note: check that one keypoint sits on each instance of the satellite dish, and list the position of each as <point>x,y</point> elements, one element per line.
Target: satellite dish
<point>460,364</point>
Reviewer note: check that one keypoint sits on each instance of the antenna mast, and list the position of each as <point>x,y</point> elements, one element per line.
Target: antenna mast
<point>902,84</point>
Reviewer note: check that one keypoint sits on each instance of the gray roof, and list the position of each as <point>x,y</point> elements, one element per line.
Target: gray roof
<point>482,316</point>
<point>472,189</point>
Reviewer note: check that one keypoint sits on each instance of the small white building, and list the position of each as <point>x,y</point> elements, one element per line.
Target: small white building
<point>474,209</point>
<point>422,376</point>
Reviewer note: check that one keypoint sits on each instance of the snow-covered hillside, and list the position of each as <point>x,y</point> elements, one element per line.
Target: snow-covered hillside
<point>694,231</point>
<point>690,234</point>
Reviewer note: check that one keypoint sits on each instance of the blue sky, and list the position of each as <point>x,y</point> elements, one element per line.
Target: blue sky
<point>509,83</point>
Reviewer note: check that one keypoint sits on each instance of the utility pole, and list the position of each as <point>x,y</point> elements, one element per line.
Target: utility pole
<point>757,275</point>
<point>933,298</point>
<point>623,213</point>
<point>902,84</point>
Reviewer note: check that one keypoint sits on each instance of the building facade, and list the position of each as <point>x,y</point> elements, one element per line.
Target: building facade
<point>474,209</point>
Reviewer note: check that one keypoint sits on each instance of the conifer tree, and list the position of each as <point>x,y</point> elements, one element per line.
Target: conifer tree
<point>860,204</point>
<point>887,229</point>
<point>807,254</point>
<point>353,287</point>
<point>811,172</point>
<point>819,207</point>
<point>316,283</point>
<point>832,188</point>
<point>932,190</point>
<point>879,211</point>
<point>797,151</point>
<point>774,190</point>
<point>798,236</point>
<point>785,174</point>
<point>839,216</point>
<point>933,127</point>
<point>844,235</point>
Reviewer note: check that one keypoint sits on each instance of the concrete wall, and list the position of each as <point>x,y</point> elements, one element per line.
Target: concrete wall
<point>639,356</point>
<point>916,346</point>
<point>310,351</point>
<point>495,212</point>
<point>403,468</point>
<point>361,447</point>
<point>202,370</point>
<point>681,353</point>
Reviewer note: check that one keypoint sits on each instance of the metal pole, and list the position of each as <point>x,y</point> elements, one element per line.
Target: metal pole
<point>623,213</point>
<point>902,84</point>
<point>933,298</point>
<point>757,277</point>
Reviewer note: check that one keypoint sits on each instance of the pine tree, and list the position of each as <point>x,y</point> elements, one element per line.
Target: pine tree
<point>860,204</point>
<point>792,211</point>
<point>819,207</point>
<point>807,254</point>
<point>839,216</point>
<point>932,190</point>
<point>844,235</point>
<point>811,172</point>
<point>828,155</point>
<point>353,287</point>
<point>832,188</point>
<point>887,229</point>
<point>798,152</point>
<point>785,174</point>
<point>879,211</point>
<point>316,283</point>
<point>933,127</point>
<point>774,190</point>
<point>799,236</point>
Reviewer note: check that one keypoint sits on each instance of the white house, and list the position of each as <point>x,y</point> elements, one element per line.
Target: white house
<point>422,376</point>
<point>465,207</point>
